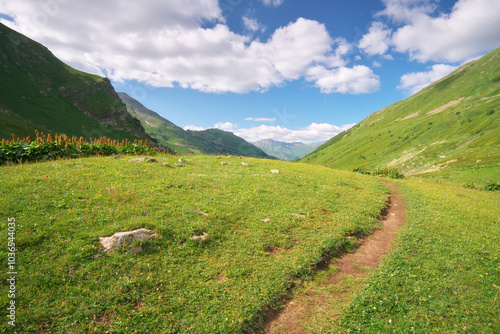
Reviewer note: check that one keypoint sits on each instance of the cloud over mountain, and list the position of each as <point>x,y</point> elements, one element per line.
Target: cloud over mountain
<point>184,43</point>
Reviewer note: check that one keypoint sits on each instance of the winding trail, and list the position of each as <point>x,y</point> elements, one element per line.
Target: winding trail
<point>369,254</point>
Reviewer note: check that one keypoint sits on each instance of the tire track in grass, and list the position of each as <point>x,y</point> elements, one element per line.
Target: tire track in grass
<point>317,308</point>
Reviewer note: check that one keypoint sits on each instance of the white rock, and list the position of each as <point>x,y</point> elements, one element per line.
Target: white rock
<point>275,171</point>
<point>138,159</point>
<point>125,238</point>
<point>200,238</point>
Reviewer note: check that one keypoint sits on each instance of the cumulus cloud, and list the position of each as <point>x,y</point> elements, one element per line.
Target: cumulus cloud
<point>414,82</point>
<point>293,48</point>
<point>355,80</point>
<point>183,43</point>
<point>226,126</point>
<point>470,29</point>
<point>316,132</point>
<point>407,10</point>
<point>376,42</point>
<point>194,128</point>
<point>313,133</point>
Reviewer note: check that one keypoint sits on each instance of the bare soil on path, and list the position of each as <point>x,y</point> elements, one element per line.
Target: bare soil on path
<point>298,310</point>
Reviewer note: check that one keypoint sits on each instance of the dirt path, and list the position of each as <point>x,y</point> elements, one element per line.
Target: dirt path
<point>369,254</point>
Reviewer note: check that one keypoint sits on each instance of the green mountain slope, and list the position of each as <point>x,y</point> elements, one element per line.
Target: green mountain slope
<point>224,142</point>
<point>41,92</point>
<point>286,151</point>
<point>453,123</point>
<point>209,141</point>
<point>165,132</point>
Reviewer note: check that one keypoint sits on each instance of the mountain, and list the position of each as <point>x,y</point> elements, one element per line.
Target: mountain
<point>224,142</point>
<point>211,141</point>
<point>164,131</point>
<point>286,151</point>
<point>40,92</point>
<point>453,123</point>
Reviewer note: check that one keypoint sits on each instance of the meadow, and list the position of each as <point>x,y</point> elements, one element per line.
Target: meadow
<point>443,273</point>
<point>267,233</point>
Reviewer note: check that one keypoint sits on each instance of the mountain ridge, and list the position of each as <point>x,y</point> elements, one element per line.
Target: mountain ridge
<point>40,92</point>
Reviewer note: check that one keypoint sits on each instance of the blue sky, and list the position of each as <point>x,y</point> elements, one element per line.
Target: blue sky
<point>290,70</point>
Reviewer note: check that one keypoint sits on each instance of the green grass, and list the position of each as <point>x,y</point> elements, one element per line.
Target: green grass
<point>479,175</point>
<point>176,286</point>
<point>443,274</point>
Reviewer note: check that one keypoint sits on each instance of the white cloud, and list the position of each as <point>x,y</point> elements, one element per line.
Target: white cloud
<point>376,42</point>
<point>186,43</point>
<point>406,10</point>
<point>173,47</point>
<point>313,133</point>
<point>470,29</point>
<point>226,126</point>
<point>194,128</point>
<point>414,82</point>
<point>316,132</point>
<point>356,80</point>
<point>252,24</point>
<point>293,48</point>
<point>260,119</point>
<point>274,3</point>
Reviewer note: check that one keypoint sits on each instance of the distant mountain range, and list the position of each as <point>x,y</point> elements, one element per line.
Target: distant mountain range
<point>286,151</point>
<point>39,92</point>
<point>453,123</point>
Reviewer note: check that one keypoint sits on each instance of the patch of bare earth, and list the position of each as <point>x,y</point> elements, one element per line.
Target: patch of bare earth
<point>445,106</point>
<point>325,303</point>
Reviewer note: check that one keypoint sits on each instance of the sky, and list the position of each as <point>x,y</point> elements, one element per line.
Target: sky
<point>289,70</point>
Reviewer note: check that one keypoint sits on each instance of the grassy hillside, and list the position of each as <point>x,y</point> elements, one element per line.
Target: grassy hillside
<point>266,232</point>
<point>41,92</point>
<point>442,276</point>
<point>209,141</point>
<point>165,132</point>
<point>453,123</point>
<point>285,151</point>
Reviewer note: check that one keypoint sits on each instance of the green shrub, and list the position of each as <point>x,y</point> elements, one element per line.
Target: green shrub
<point>46,148</point>
<point>393,173</point>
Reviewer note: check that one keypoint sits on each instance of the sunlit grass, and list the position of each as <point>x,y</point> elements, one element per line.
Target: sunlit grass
<point>67,284</point>
<point>442,276</point>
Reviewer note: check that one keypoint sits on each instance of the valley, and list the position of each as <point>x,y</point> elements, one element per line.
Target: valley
<point>239,229</point>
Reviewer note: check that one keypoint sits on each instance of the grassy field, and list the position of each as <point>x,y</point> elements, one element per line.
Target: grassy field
<point>67,284</point>
<point>443,275</point>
